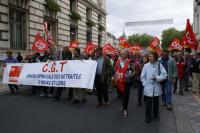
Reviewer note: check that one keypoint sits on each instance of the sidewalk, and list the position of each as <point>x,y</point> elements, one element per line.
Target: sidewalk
<point>187,112</point>
<point>3,88</point>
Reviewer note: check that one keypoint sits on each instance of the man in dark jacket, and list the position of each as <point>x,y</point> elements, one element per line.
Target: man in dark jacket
<point>195,68</point>
<point>19,57</point>
<point>35,59</point>
<point>50,54</point>
<point>102,73</point>
<point>66,55</point>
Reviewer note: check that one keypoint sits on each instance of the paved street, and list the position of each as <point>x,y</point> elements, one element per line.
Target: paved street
<point>187,113</point>
<point>24,113</point>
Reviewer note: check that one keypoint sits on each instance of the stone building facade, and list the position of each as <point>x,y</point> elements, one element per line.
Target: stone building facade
<point>20,20</point>
<point>196,19</point>
<point>110,38</point>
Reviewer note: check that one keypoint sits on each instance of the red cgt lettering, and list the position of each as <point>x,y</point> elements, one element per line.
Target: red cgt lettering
<point>62,65</point>
<point>45,68</point>
<point>53,67</point>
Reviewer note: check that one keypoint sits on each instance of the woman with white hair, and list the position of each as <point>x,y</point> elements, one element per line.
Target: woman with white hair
<point>123,75</point>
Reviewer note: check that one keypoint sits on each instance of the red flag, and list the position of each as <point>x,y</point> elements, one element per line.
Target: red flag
<point>73,44</point>
<point>189,38</point>
<point>159,51</point>
<point>155,43</point>
<point>136,48</point>
<point>39,45</point>
<point>121,38</point>
<point>108,49</point>
<point>123,43</point>
<point>176,44</point>
<point>90,47</point>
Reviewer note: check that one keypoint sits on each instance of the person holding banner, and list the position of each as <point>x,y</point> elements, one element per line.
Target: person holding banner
<point>49,55</point>
<point>103,71</point>
<point>35,59</point>
<point>66,54</point>
<point>152,74</point>
<point>124,75</point>
<point>79,94</point>
<point>11,59</point>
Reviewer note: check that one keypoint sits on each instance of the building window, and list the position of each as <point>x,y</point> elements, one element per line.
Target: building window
<point>73,33</point>
<point>88,13</point>
<point>17,29</point>
<point>73,5</point>
<point>100,3</point>
<point>99,19</point>
<point>89,36</point>
<point>52,28</point>
<point>99,39</point>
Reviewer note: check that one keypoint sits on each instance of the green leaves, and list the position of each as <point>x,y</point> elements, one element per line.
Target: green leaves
<point>168,35</point>
<point>101,28</point>
<point>53,5</point>
<point>144,39</point>
<point>75,16</point>
<point>90,23</point>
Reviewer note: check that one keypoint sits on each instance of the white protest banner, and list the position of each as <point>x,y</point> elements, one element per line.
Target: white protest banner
<point>73,73</point>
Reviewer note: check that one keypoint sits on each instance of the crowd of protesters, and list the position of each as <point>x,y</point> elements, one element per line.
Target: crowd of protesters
<point>153,75</point>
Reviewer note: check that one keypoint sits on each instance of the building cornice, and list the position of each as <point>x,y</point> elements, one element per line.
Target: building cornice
<point>94,6</point>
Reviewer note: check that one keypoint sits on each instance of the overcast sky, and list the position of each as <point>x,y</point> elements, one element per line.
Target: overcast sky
<point>120,11</point>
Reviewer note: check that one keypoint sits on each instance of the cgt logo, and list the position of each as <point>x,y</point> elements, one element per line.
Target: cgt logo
<point>119,75</point>
<point>177,46</point>
<point>189,39</point>
<point>40,45</point>
<point>14,73</point>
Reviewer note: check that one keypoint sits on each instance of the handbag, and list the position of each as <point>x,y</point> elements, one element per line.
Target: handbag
<point>159,72</point>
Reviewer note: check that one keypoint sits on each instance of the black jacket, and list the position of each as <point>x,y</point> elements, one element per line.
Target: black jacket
<point>195,65</point>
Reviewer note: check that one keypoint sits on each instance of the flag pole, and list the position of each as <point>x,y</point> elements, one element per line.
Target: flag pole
<point>184,50</point>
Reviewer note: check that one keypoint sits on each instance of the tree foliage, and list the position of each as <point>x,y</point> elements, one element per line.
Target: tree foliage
<point>168,35</point>
<point>143,39</point>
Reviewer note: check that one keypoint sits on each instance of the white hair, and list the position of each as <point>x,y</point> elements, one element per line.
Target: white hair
<point>125,51</point>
